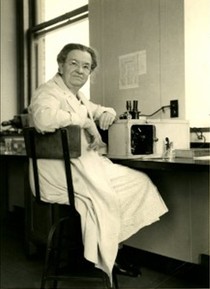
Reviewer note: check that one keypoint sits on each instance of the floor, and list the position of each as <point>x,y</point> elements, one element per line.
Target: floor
<point>19,272</point>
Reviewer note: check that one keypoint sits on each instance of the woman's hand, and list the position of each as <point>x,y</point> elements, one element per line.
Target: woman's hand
<point>95,144</point>
<point>106,119</point>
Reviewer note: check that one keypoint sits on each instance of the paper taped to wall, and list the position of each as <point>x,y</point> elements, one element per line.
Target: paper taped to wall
<point>131,66</point>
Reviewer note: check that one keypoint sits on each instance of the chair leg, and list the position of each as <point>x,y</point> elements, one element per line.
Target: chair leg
<point>53,258</point>
<point>57,253</point>
<point>115,280</point>
<point>46,268</point>
<point>108,283</point>
<point>49,253</point>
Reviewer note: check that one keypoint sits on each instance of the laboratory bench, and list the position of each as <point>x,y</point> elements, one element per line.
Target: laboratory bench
<point>12,179</point>
<point>182,233</point>
<point>158,163</point>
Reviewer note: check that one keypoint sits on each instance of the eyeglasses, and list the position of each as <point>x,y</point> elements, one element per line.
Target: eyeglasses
<point>86,67</point>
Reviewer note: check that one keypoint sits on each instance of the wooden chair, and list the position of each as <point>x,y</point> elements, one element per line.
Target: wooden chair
<point>58,226</point>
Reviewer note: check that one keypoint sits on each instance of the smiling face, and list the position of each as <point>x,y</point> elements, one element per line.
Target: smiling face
<point>76,69</point>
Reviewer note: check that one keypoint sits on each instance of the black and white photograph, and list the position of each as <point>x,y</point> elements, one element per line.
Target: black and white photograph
<point>105,144</point>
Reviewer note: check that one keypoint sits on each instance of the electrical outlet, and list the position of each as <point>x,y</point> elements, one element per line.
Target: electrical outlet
<point>174,108</point>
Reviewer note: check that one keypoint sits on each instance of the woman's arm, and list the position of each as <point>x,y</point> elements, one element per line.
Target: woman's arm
<point>47,115</point>
<point>104,116</point>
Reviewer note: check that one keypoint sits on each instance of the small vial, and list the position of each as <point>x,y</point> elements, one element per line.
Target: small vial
<point>8,145</point>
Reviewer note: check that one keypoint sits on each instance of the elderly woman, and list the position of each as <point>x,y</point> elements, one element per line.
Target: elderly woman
<point>114,201</point>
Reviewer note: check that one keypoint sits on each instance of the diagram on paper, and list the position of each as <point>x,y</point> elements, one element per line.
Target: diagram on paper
<point>131,66</point>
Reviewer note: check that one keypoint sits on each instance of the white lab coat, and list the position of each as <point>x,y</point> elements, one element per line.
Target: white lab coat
<point>114,201</point>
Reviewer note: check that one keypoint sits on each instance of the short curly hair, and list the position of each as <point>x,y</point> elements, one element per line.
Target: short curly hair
<point>61,58</point>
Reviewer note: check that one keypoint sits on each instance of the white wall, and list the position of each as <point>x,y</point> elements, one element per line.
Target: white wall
<point>119,27</point>
<point>8,60</point>
<point>176,37</point>
<point>197,62</point>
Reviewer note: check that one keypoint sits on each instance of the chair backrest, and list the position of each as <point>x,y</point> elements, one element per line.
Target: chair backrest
<point>64,144</point>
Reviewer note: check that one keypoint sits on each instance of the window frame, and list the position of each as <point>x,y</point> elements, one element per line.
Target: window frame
<point>34,58</point>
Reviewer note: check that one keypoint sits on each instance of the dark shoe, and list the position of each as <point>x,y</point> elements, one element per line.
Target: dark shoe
<point>128,270</point>
<point>124,264</point>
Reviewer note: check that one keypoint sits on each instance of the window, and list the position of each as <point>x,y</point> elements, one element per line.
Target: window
<point>50,9</point>
<point>58,22</point>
